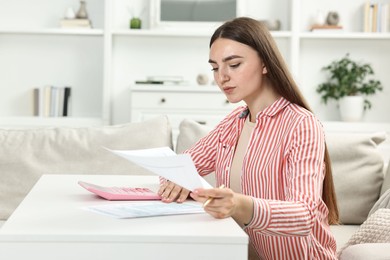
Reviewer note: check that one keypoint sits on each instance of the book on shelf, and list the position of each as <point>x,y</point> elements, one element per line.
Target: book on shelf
<point>36,102</point>
<point>75,23</point>
<point>51,101</point>
<point>67,91</point>
<point>376,17</point>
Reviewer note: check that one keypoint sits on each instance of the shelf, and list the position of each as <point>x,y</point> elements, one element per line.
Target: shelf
<point>54,31</point>
<point>344,35</point>
<point>163,33</point>
<point>30,121</point>
<point>182,33</point>
<point>175,88</point>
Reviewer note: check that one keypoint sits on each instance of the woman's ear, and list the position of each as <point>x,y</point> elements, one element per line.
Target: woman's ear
<point>264,70</point>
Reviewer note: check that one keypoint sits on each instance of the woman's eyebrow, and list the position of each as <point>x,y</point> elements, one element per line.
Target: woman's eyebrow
<point>231,57</point>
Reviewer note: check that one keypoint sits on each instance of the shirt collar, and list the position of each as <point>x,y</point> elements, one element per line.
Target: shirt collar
<point>270,111</point>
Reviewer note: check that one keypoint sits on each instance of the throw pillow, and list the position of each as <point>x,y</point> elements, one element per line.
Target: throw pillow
<point>357,172</point>
<point>386,182</point>
<point>26,154</point>
<point>383,202</point>
<point>190,132</point>
<point>376,229</point>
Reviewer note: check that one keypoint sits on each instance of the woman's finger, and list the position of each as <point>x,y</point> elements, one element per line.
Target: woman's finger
<point>162,188</point>
<point>183,195</point>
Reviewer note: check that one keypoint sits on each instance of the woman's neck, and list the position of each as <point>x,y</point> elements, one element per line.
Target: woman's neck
<point>261,101</point>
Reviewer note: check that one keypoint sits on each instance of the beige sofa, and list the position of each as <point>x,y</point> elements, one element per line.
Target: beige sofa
<point>359,169</point>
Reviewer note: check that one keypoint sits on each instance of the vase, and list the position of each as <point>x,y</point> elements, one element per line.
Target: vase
<point>82,12</point>
<point>319,19</point>
<point>351,108</point>
<point>69,13</point>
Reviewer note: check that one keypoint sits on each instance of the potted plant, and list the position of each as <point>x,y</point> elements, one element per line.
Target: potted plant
<point>348,83</point>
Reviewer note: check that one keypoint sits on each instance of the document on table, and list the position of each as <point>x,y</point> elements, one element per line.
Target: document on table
<point>146,209</point>
<point>178,168</point>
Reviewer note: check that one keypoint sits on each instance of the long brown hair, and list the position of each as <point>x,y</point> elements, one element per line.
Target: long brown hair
<point>255,34</point>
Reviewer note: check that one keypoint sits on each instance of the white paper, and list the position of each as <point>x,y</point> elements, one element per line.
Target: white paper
<point>146,209</point>
<point>178,168</point>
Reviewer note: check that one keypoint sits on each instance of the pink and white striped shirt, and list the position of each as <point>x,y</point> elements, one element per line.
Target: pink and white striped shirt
<point>283,171</point>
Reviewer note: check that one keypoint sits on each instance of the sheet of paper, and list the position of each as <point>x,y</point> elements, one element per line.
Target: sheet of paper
<point>178,168</point>
<point>146,209</point>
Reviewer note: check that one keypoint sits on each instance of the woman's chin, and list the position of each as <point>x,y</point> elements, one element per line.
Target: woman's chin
<point>234,100</point>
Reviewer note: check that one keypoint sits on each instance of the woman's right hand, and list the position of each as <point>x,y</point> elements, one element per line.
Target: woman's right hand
<point>170,192</point>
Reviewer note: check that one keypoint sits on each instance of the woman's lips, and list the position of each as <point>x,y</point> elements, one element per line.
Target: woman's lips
<point>228,90</point>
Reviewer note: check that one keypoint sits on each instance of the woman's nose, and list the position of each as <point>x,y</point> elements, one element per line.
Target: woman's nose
<point>223,76</point>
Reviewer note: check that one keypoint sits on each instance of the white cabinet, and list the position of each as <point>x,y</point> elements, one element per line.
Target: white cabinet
<point>102,64</point>
<point>206,105</point>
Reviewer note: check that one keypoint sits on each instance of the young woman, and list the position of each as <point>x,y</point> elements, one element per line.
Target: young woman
<point>270,154</point>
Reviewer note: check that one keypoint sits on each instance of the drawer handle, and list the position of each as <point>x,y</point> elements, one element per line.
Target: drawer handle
<point>202,122</point>
<point>162,100</point>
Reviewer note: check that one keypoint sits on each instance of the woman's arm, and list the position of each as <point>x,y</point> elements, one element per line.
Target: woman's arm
<point>302,205</point>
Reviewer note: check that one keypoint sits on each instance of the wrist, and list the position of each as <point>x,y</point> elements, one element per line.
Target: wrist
<point>244,210</point>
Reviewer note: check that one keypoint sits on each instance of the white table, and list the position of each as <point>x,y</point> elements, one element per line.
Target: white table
<point>51,224</point>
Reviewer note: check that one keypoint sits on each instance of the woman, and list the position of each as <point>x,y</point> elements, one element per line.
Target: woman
<point>271,154</point>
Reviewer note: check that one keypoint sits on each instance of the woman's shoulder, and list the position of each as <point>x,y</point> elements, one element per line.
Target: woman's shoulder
<point>300,111</point>
<point>300,115</point>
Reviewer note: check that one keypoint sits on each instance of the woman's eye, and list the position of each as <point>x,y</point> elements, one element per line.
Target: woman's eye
<point>214,69</point>
<point>235,65</point>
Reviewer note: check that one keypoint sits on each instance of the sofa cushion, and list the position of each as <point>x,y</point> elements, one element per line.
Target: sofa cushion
<point>190,132</point>
<point>343,233</point>
<point>357,172</point>
<point>386,181</point>
<point>371,251</point>
<point>383,202</point>
<point>26,154</point>
<point>376,229</point>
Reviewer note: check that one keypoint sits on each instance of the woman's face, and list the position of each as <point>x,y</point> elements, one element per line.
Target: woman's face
<point>237,69</point>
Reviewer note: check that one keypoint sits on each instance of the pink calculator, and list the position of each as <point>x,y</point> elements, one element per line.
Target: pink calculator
<point>120,193</point>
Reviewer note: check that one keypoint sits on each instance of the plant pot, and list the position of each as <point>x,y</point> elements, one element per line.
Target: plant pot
<point>351,108</point>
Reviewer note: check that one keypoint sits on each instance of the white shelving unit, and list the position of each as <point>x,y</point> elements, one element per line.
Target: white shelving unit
<point>36,52</point>
<point>103,63</point>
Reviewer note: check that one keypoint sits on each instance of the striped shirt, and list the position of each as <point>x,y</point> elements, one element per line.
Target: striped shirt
<point>283,172</point>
